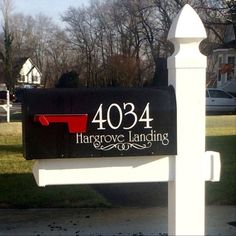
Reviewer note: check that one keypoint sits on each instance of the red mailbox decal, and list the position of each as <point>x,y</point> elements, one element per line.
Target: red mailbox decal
<point>76,123</point>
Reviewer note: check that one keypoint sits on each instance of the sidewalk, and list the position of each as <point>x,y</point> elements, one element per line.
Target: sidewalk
<point>116,221</point>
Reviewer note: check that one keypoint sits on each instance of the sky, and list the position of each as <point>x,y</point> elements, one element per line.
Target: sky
<point>51,8</point>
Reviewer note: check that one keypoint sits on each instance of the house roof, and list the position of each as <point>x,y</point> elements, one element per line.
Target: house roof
<point>231,44</point>
<point>229,37</point>
<point>19,62</point>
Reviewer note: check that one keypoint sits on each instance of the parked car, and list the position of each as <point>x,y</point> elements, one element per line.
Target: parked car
<point>233,94</point>
<point>3,96</point>
<point>220,101</point>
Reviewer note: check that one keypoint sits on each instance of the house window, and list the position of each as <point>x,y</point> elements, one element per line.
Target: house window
<point>21,78</point>
<point>231,63</point>
<point>34,79</point>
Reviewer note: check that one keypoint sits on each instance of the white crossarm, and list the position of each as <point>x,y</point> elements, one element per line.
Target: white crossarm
<point>117,170</point>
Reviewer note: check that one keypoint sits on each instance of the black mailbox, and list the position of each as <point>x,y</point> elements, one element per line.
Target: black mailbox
<point>76,123</point>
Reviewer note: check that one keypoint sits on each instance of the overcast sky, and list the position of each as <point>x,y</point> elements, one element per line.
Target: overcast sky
<point>51,8</point>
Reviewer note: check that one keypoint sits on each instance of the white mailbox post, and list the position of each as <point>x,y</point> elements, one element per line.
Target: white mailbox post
<point>185,172</point>
<point>187,69</point>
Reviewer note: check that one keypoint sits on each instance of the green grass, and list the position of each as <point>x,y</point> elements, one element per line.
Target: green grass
<point>18,188</point>
<point>223,192</point>
<point>21,191</point>
<point>221,137</point>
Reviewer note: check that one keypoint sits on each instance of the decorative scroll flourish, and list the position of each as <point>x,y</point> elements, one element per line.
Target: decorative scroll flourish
<point>121,146</point>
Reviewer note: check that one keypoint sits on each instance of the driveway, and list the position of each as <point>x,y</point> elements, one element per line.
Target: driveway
<point>220,220</point>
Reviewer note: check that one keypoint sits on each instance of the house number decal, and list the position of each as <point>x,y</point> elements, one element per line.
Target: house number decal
<point>128,110</point>
<point>115,118</point>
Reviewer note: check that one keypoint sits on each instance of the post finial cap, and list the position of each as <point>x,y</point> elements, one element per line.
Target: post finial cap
<point>187,24</point>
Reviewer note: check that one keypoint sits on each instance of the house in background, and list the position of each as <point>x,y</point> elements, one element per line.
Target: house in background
<point>27,73</point>
<point>224,59</point>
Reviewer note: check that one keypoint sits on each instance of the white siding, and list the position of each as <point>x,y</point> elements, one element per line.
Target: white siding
<point>29,74</point>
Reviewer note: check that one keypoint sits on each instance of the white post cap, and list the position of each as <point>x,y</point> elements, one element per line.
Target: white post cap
<point>187,24</point>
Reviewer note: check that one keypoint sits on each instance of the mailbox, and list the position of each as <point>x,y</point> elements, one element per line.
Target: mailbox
<point>77,123</point>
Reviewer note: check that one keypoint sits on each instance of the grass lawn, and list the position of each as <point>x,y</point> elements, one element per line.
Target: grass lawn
<point>221,137</point>
<point>223,192</point>
<point>19,190</point>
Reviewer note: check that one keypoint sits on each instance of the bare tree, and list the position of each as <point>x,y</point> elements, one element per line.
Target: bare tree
<point>6,7</point>
<point>59,58</point>
<point>44,42</point>
<point>108,43</point>
<point>111,33</point>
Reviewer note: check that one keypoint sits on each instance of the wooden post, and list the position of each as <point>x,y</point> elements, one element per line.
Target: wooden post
<point>186,72</point>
